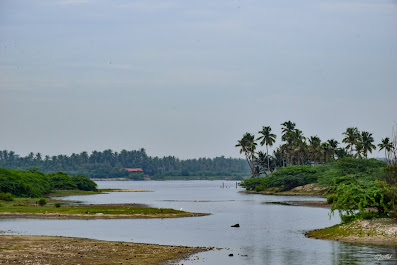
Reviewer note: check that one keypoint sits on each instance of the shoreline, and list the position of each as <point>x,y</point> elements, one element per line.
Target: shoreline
<point>63,216</point>
<point>29,208</point>
<point>379,231</point>
<point>72,250</point>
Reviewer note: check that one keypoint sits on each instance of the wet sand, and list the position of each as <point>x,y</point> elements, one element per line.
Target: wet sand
<point>15,249</point>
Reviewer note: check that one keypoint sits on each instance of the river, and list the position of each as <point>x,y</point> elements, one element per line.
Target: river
<point>268,234</point>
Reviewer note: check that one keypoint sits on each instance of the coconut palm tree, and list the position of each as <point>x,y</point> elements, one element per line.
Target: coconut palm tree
<point>387,145</point>
<point>325,147</point>
<point>352,136</point>
<point>248,146</point>
<point>333,144</point>
<point>288,127</point>
<point>268,139</point>
<point>314,148</point>
<point>367,143</point>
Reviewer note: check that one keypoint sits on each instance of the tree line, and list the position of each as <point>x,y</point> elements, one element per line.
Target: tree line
<point>296,149</point>
<point>107,164</point>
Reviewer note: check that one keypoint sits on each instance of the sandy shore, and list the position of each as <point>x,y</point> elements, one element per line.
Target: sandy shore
<point>66,250</point>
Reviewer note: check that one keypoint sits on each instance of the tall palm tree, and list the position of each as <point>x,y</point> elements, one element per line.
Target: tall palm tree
<point>325,147</point>
<point>387,145</point>
<point>333,144</point>
<point>288,127</point>
<point>248,146</point>
<point>367,143</point>
<point>352,136</point>
<point>268,139</point>
<point>314,148</point>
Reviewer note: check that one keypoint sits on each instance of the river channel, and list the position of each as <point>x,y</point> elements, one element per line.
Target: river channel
<point>269,233</point>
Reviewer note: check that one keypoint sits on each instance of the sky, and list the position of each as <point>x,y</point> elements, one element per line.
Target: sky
<point>189,78</point>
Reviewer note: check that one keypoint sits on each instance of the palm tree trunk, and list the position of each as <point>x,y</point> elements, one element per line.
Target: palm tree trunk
<point>268,159</point>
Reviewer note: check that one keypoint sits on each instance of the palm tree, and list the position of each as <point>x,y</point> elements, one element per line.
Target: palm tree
<point>248,146</point>
<point>268,139</point>
<point>352,136</point>
<point>325,147</point>
<point>333,144</point>
<point>314,148</point>
<point>367,143</point>
<point>288,128</point>
<point>387,145</point>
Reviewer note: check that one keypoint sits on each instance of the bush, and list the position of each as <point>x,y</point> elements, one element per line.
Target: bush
<point>42,202</point>
<point>331,198</point>
<point>6,196</point>
<point>354,196</point>
<point>84,183</point>
<point>58,204</point>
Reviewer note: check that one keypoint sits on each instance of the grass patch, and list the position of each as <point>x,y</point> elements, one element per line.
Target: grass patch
<point>29,206</point>
<point>62,193</point>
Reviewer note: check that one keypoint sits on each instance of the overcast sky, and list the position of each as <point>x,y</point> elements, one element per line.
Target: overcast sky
<point>189,78</point>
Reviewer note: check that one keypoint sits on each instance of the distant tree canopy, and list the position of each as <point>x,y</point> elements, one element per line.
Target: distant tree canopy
<point>107,164</point>
<point>33,183</point>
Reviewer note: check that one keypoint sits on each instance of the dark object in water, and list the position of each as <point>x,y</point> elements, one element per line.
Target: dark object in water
<point>236,225</point>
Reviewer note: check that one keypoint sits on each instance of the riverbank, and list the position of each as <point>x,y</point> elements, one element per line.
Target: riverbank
<point>379,231</point>
<point>15,249</point>
<point>306,190</point>
<point>63,209</point>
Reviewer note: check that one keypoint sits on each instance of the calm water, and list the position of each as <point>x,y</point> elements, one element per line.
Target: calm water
<point>269,233</point>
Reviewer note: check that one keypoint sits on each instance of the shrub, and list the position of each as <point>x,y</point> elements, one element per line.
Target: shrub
<point>42,202</point>
<point>84,183</point>
<point>58,204</point>
<point>6,196</point>
<point>331,198</point>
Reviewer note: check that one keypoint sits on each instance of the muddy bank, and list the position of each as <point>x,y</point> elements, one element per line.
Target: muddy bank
<point>67,250</point>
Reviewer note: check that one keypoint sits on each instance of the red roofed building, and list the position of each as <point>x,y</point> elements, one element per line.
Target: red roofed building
<point>132,169</point>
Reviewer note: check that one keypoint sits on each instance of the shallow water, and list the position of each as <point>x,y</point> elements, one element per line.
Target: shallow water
<point>268,233</point>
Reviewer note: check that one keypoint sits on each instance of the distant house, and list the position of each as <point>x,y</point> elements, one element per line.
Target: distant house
<point>132,169</point>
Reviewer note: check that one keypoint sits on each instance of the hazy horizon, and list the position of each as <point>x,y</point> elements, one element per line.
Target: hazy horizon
<point>188,79</point>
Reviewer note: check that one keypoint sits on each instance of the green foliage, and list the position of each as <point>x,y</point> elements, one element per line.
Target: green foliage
<point>34,184</point>
<point>84,183</point>
<point>24,183</point>
<point>6,196</point>
<point>58,204</point>
<point>354,197</point>
<point>287,178</point>
<point>61,181</point>
<point>42,202</point>
<point>331,198</point>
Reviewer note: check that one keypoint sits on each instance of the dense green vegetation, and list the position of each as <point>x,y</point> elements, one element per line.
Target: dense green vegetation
<point>107,164</point>
<point>358,187</point>
<point>286,178</point>
<point>35,184</point>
